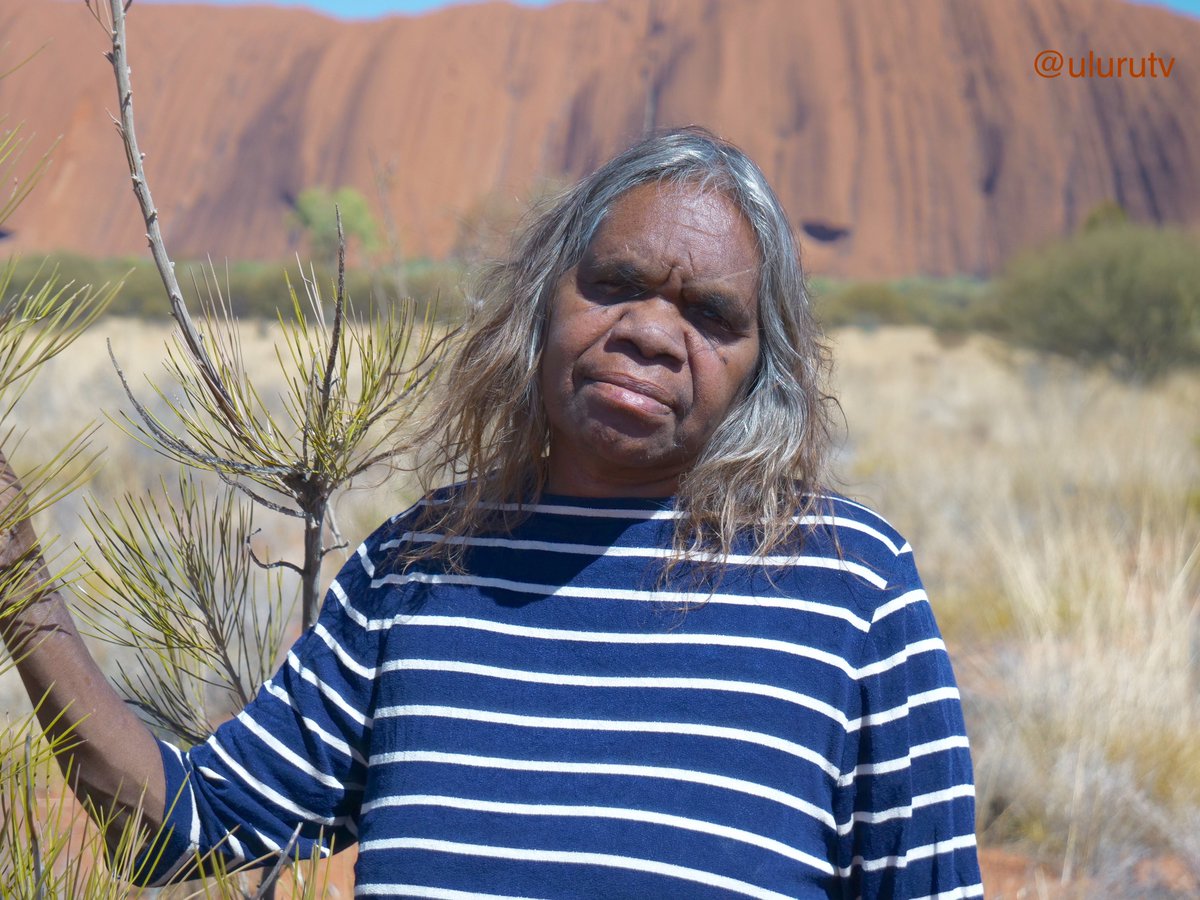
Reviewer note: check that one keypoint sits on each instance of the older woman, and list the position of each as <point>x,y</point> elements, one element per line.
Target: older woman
<point>636,648</point>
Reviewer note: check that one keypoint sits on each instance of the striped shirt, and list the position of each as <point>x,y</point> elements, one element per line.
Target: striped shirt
<point>557,720</point>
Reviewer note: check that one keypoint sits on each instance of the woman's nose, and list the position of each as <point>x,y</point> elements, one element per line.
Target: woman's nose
<point>654,327</point>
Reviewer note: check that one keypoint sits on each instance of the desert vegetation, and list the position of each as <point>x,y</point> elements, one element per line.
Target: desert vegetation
<point>1055,516</point>
<point>1055,512</point>
<point>1119,295</point>
<point>1035,437</point>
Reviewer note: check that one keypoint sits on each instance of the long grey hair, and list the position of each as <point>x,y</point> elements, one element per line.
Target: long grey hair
<point>763,466</point>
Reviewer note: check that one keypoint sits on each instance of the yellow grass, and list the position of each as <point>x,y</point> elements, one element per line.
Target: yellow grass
<point>1055,519</point>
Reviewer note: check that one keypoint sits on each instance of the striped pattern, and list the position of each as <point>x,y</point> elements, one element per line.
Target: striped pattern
<point>556,721</point>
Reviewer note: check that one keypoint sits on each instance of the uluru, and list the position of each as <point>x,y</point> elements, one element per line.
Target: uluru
<point>905,137</point>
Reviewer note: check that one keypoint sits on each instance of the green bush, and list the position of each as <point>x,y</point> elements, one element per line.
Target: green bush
<point>1123,296</point>
<point>437,284</point>
<point>315,213</point>
<point>866,304</point>
<point>1104,215</point>
<point>251,289</point>
<point>944,304</point>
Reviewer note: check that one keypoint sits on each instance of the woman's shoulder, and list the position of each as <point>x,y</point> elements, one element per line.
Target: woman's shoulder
<point>849,537</point>
<point>850,522</point>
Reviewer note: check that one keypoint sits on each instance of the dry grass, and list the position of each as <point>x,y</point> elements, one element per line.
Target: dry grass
<point>1054,514</point>
<point>1056,519</point>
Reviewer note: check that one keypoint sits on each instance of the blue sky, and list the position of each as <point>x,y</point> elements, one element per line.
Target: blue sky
<point>354,9</point>
<point>369,9</point>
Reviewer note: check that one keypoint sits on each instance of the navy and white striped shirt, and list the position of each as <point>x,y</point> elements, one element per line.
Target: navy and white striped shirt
<point>556,721</point>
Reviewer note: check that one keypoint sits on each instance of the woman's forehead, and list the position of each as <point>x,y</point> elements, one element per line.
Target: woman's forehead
<point>686,222</point>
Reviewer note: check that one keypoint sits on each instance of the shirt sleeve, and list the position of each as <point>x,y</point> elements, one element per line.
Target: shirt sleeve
<point>912,829</point>
<point>287,773</point>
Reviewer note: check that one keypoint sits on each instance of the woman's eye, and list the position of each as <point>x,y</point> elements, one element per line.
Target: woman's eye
<point>619,289</point>
<point>713,318</point>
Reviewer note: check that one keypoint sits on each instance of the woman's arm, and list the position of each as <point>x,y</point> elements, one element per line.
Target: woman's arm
<point>109,756</point>
<point>913,831</point>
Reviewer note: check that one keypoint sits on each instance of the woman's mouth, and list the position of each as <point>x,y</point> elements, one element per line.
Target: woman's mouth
<point>631,394</point>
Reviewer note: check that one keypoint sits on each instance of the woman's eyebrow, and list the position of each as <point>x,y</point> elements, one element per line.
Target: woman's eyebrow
<point>726,304</point>
<point>620,269</point>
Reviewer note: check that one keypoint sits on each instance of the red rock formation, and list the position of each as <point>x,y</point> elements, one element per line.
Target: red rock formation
<point>904,136</point>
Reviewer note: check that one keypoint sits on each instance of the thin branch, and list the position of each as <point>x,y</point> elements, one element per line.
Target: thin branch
<point>164,437</point>
<point>35,845</point>
<point>266,887</point>
<point>339,311</point>
<point>141,189</point>
<point>232,675</point>
<point>258,498</point>
<point>333,548</point>
<point>331,520</point>
<point>307,426</point>
<point>277,564</point>
<point>184,451</point>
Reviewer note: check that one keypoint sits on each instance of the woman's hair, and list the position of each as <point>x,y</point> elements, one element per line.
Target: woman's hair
<point>763,466</point>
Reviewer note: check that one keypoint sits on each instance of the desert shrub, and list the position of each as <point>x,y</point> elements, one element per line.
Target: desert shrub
<point>866,304</point>
<point>315,213</point>
<point>141,291</point>
<point>1087,746</point>
<point>260,290</point>
<point>947,305</point>
<point>1104,215</point>
<point>439,285</point>
<point>253,289</point>
<point>1122,296</point>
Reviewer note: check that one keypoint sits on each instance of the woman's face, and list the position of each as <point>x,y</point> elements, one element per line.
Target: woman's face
<point>652,338</point>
